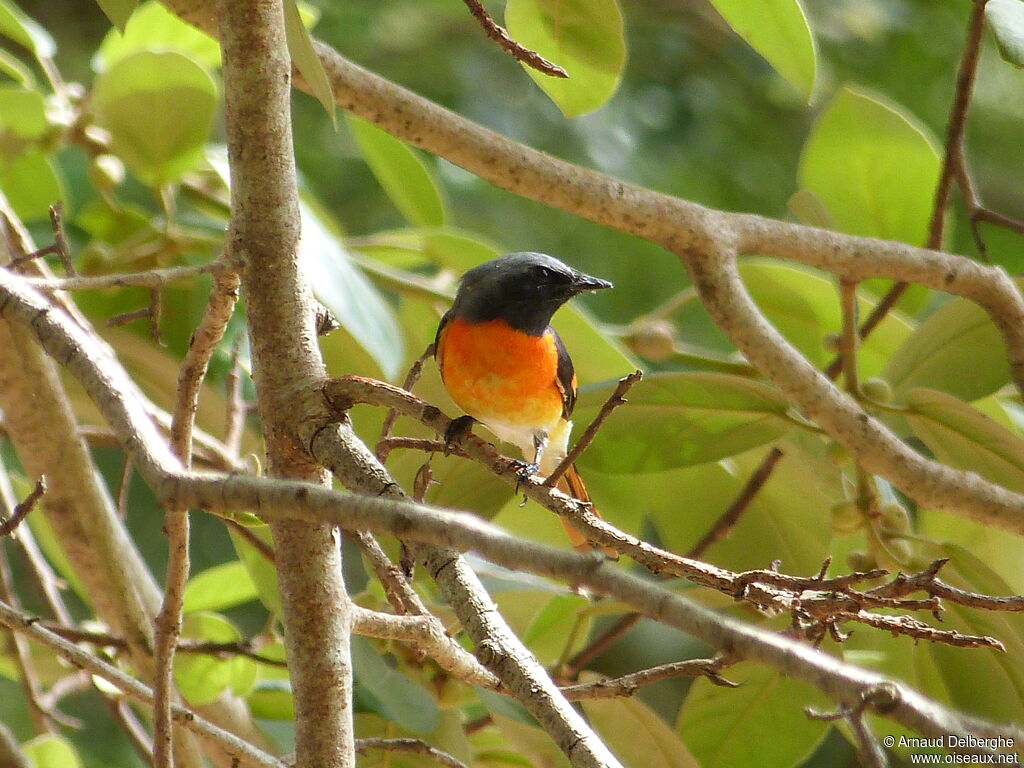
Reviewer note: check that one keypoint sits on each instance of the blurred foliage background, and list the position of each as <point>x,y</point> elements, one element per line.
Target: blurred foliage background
<point>700,115</point>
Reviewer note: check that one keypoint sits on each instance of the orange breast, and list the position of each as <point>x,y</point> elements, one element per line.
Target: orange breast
<point>501,376</point>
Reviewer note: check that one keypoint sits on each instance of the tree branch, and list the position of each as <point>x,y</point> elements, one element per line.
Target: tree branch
<point>263,235</point>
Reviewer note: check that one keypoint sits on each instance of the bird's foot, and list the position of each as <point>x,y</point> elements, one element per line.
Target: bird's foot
<point>525,470</point>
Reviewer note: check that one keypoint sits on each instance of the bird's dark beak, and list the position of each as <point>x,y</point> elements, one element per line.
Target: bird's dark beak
<point>587,283</point>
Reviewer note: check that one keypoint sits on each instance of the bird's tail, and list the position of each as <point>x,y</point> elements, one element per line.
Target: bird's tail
<point>571,484</point>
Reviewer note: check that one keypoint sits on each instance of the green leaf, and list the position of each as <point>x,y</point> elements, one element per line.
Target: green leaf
<point>957,350</point>
<point>681,419</point>
<point>32,185</point>
<point>271,696</point>
<point>787,520</point>
<point>262,572</point>
<point>13,67</point>
<point>874,166</point>
<point>202,678</point>
<point>778,30</point>
<point>118,11</point>
<point>14,24</point>
<point>1006,18</point>
<point>760,723</point>
<point>159,108</point>
<point>555,624</point>
<point>222,586</point>
<point>400,699</point>
<point>636,735</point>
<point>22,113</point>
<point>151,27</point>
<point>584,37</point>
<point>348,294</point>
<point>804,307</point>
<point>1001,697</point>
<point>50,751</point>
<point>300,46</point>
<point>964,438</point>
<point>401,172</point>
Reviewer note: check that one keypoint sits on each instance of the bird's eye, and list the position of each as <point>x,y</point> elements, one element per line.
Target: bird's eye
<point>542,273</point>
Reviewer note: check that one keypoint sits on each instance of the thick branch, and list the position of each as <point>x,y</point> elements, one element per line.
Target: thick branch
<point>263,235</point>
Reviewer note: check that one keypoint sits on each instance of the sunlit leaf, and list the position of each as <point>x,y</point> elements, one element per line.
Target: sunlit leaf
<point>787,520</point>
<point>400,698</point>
<point>636,735</point>
<point>261,571</point>
<point>803,305</point>
<point>778,30</point>
<point>51,751</point>
<point>874,166</point>
<point>222,586</point>
<point>118,11</point>
<point>300,46</point>
<point>957,350</point>
<point>154,27</point>
<point>158,108</point>
<point>22,113</point>
<point>680,419</point>
<point>25,31</point>
<point>963,437</point>
<point>348,294</point>
<point>202,678</point>
<point>16,70</point>
<point>1001,698</point>
<point>1006,18</point>
<point>554,626</point>
<point>584,37</point>
<point>401,172</point>
<point>271,695</point>
<point>726,727</point>
<point>31,184</point>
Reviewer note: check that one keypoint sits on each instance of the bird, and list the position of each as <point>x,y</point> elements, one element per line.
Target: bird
<point>507,368</point>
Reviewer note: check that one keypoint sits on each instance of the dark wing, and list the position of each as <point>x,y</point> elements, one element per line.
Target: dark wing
<point>437,340</point>
<point>566,380</point>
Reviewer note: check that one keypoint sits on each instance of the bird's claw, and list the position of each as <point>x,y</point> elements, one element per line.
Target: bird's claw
<point>525,470</point>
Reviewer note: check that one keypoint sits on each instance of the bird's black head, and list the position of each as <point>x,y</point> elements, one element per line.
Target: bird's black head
<point>523,289</point>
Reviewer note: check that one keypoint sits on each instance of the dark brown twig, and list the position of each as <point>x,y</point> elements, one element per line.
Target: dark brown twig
<point>617,398</point>
<point>59,246</point>
<point>510,46</point>
<point>20,511</point>
<point>731,516</point>
<point>415,371</point>
<point>627,685</point>
<point>412,746</point>
<point>600,644</point>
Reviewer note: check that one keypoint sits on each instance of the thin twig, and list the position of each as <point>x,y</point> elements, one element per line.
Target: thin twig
<point>167,623</point>
<point>60,240</point>
<point>415,371</point>
<point>232,745</point>
<point>237,408</point>
<point>42,718</point>
<point>510,46</point>
<point>848,339</point>
<point>600,644</point>
<point>412,746</point>
<point>153,278</point>
<point>617,398</point>
<point>59,246</point>
<point>20,512</point>
<point>728,519</point>
<point>627,685</point>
